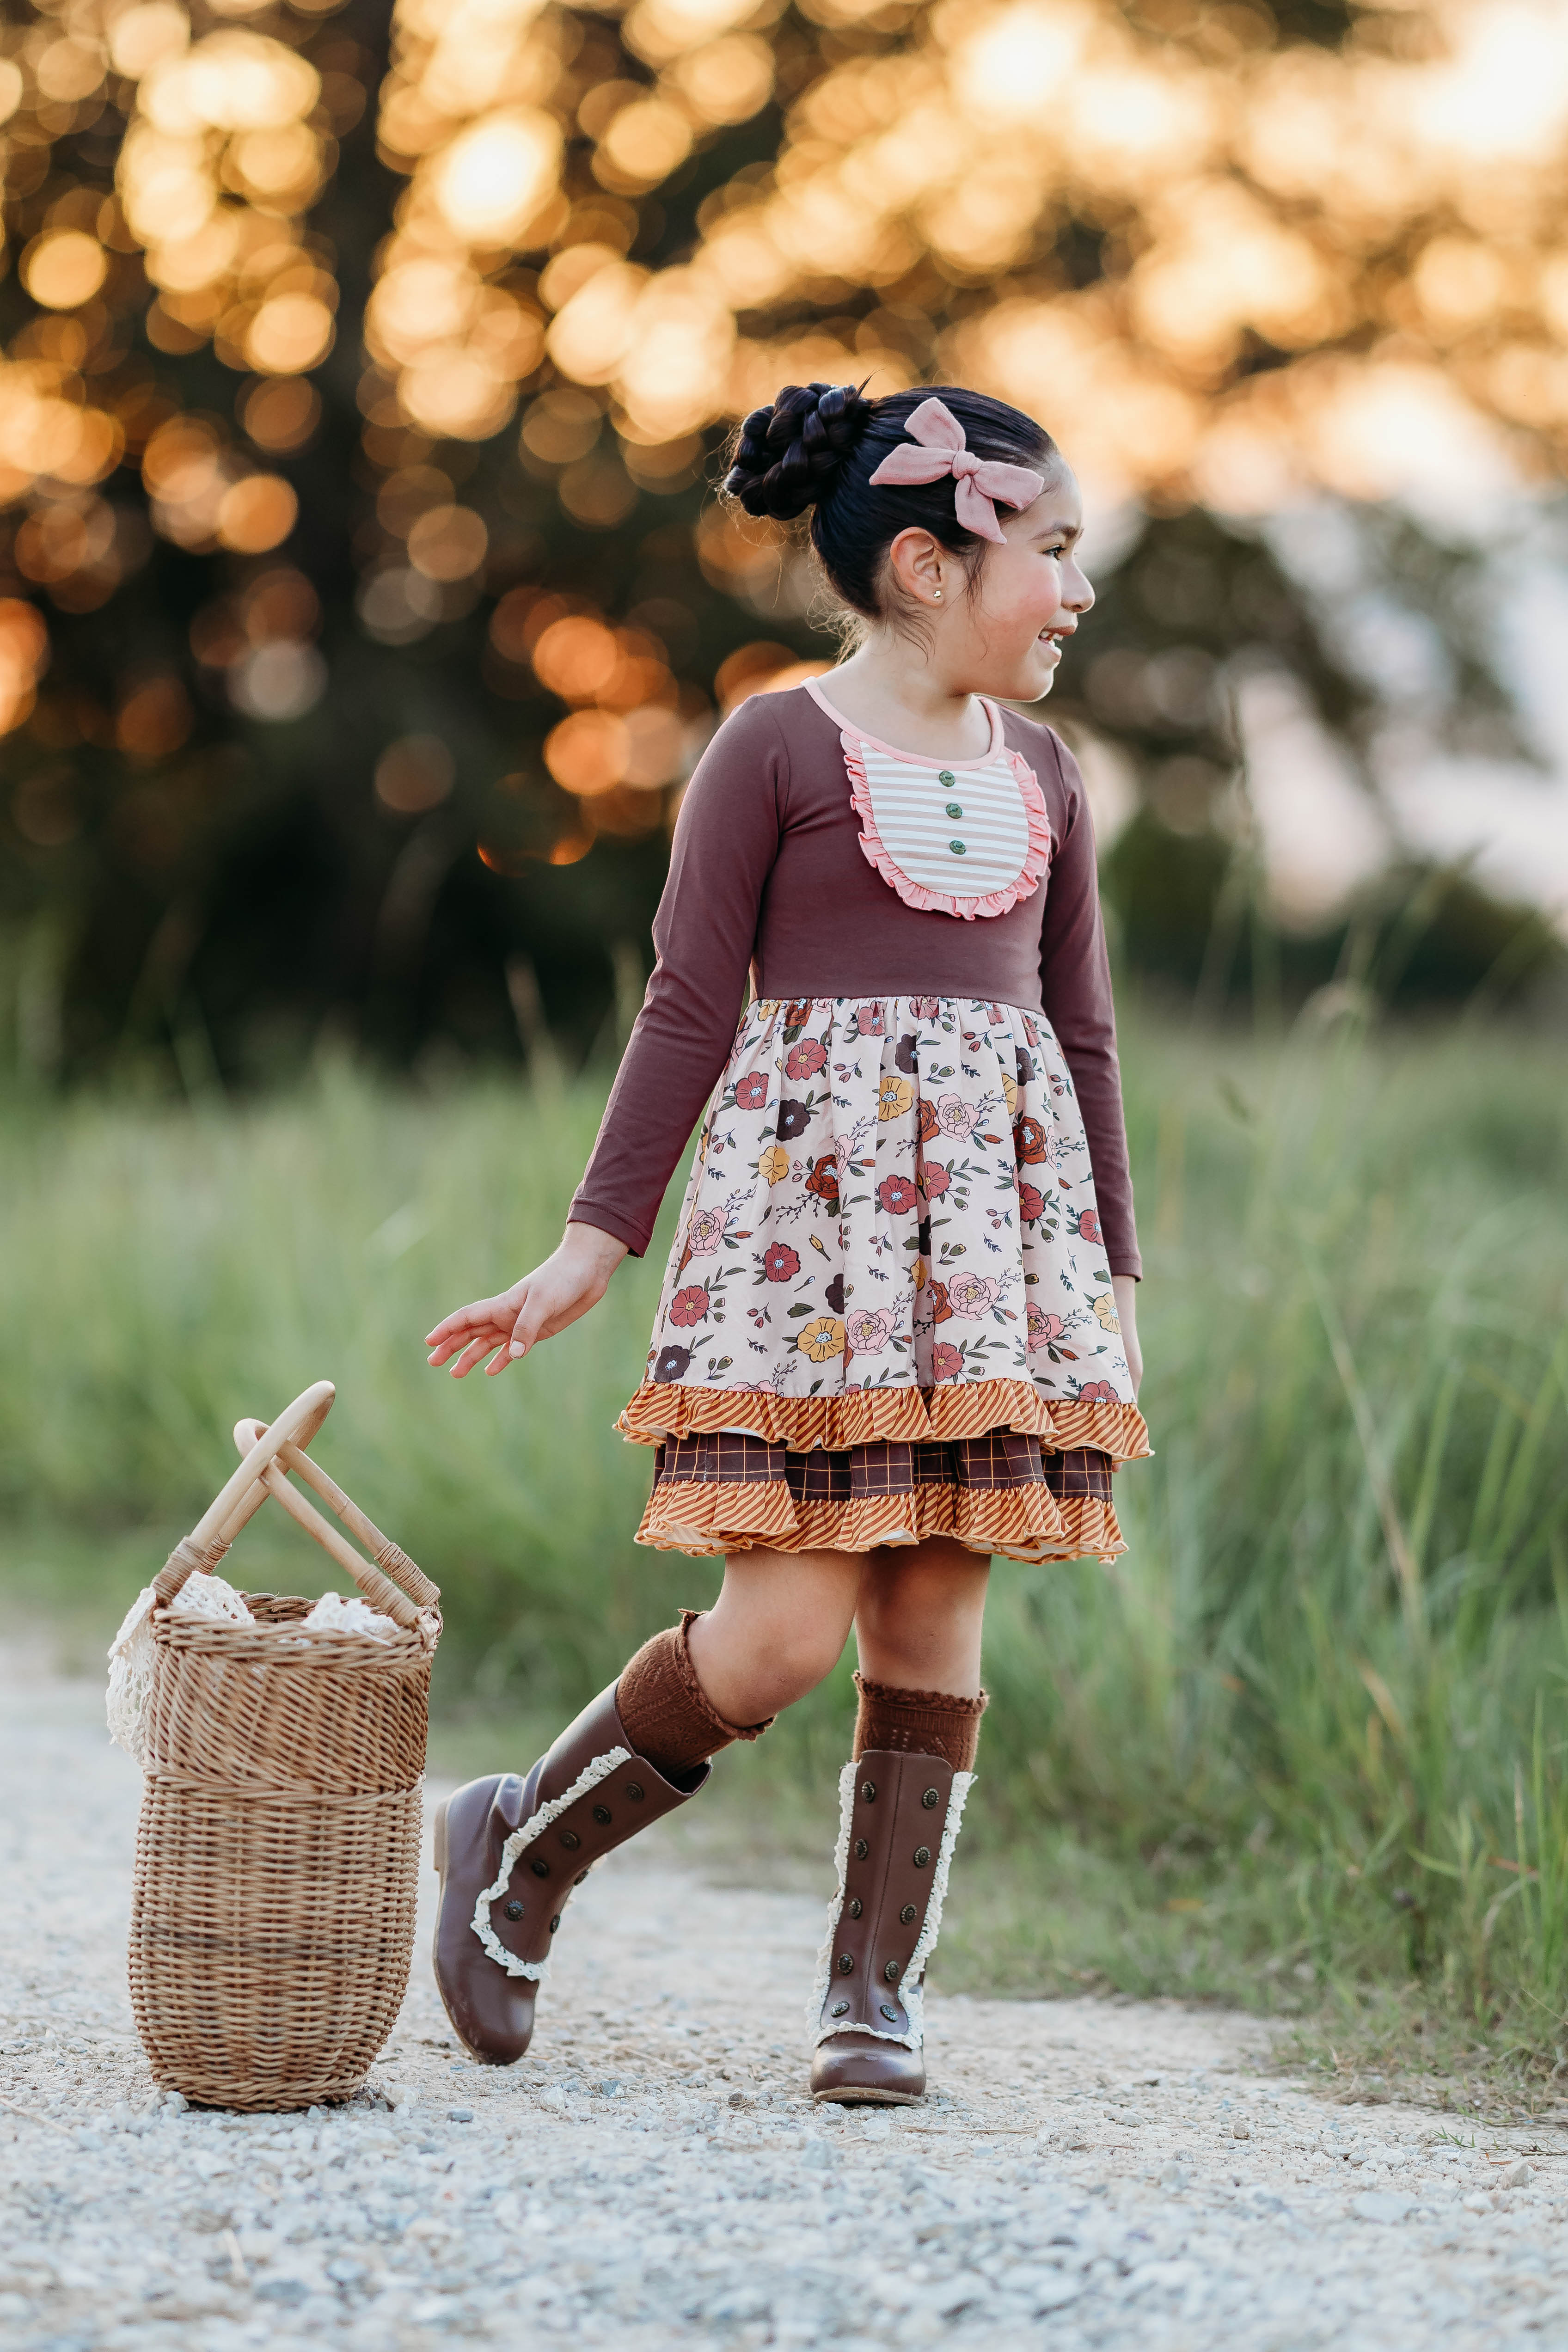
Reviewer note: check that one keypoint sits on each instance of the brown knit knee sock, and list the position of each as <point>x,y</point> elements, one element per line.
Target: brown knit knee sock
<point>664,1709</point>
<point>920,1723</point>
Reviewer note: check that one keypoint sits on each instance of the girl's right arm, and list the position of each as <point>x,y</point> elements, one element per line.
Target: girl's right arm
<point>726,839</point>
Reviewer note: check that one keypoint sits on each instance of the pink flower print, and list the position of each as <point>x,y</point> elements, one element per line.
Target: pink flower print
<point>869,1333</point>
<point>779,1263</point>
<point>871,1020</point>
<point>1098,1392</point>
<point>994,1013</point>
<point>954,1116</point>
<point>705,1233</point>
<point>752,1091</point>
<point>804,1059</point>
<point>1042,1328</point>
<point>925,1008</point>
<point>970,1294</point>
<point>946,1362</point>
<point>935,1180</point>
<point>1031,1203</point>
<point>1089,1227</point>
<point>1030,1031</point>
<point>688,1306</point>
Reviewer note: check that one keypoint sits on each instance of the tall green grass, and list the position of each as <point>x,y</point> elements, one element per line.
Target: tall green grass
<point>1312,1725</point>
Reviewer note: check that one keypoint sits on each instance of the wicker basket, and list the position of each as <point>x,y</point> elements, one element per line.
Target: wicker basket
<point>277,1861</point>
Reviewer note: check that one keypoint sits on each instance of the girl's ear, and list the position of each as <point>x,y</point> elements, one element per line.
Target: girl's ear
<point>922,568</point>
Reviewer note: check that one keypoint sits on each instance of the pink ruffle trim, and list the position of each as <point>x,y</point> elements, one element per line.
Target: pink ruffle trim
<point>1036,860</point>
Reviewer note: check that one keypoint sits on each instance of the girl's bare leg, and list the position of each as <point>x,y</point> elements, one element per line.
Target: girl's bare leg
<point>918,1618</point>
<point>778,1626</point>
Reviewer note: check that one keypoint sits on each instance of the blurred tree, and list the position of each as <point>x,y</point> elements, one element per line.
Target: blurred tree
<point>363,603</point>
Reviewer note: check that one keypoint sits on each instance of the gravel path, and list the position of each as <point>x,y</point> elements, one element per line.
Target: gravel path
<point>1086,2174</point>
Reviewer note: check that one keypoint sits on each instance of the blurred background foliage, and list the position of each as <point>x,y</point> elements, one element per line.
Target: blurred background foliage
<point>364,599</point>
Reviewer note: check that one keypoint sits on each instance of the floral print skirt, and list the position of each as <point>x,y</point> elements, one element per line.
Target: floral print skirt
<point>888,1312</point>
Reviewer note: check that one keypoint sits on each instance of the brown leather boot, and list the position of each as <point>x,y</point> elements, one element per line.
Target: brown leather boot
<point>510,1852</point>
<point>899,1822</point>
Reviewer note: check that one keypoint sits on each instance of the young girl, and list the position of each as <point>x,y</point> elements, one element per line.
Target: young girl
<point>896,1332</point>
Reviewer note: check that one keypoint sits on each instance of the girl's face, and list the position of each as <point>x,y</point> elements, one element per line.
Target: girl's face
<point>1028,600</point>
<point>1004,635</point>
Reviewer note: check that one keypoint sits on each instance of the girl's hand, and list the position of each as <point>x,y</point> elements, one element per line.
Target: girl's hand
<point>573,1278</point>
<point>1126,1289</point>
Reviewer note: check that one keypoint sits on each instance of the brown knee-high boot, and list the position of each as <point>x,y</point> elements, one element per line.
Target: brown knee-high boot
<point>510,1850</point>
<point>901,1798</point>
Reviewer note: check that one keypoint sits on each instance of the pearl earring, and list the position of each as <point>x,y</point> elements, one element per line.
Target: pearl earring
<point>938,594</point>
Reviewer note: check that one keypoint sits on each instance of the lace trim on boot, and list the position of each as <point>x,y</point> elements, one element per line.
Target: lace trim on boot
<point>599,1769</point>
<point>912,1992</point>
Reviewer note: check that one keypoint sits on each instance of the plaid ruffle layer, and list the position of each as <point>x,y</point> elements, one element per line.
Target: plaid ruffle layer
<point>998,1493</point>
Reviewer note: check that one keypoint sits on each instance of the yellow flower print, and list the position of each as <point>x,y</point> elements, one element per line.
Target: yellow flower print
<point>894,1097</point>
<point>1105,1311</point>
<point>774,1163</point>
<point>822,1338</point>
<point>922,1274</point>
<point>1010,1092</point>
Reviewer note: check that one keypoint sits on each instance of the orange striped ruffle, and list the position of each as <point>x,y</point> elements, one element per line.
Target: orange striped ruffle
<point>1023,1523</point>
<point>912,1416</point>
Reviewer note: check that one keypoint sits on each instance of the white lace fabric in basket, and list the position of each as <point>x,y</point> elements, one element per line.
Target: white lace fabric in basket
<point>205,1596</point>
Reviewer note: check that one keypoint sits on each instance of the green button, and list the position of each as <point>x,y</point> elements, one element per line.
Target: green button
<point>953,809</point>
<point>957,848</point>
<point>947,777</point>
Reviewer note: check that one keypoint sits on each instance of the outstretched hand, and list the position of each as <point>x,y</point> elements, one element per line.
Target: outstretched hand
<point>573,1278</point>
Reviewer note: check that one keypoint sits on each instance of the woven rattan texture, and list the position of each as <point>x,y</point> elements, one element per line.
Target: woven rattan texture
<point>275,1708</point>
<point>277,1857</point>
<point>270,1939</point>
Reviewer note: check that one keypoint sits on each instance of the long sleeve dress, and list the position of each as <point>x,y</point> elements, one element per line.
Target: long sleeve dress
<point>887,1311</point>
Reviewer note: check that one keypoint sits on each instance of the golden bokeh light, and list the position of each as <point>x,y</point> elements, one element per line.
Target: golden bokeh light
<point>64,268</point>
<point>494,176</point>
<point>589,752</point>
<point>415,775</point>
<point>255,514</point>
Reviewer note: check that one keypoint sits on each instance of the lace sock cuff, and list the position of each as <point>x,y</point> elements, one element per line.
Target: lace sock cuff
<point>664,1709</point>
<point>922,1723</point>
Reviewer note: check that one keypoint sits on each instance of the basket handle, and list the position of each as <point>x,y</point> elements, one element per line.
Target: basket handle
<point>377,1589</point>
<point>390,1558</point>
<point>211,1535</point>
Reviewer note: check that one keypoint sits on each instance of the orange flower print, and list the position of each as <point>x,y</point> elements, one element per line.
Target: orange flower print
<point>939,1310</point>
<point>799,1014</point>
<point>824,1180</point>
<point>928,1120</point>
<point>688,1306</point>
<point>821,1339</point>
<point>946,1362</point>
<point>1029,1141</point>
<point>935,1180</point>
<point>805,1059</point>
<point>1031,1203</point>
<point>779,1263</point>
<point>752,1091</point>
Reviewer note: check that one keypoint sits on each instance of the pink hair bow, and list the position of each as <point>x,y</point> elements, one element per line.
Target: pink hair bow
<point>978,482</point>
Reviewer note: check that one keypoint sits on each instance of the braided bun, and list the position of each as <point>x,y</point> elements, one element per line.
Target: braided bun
<point>787,456</point>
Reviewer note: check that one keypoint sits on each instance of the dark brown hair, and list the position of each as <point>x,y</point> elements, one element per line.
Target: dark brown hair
<point>818,446</point>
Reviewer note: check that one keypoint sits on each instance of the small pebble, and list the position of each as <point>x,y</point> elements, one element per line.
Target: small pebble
<point>459,2115</point>
<point>1518,2176</point>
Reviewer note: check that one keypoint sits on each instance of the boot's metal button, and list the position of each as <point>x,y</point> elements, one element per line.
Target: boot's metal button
<point>855,1906</point>
<point>846,1965</point>
<point>907,1914</point>
<point>555,1923</point>
<point>839,2009</point>
<point>540,1869</point>
<point>601,1814</point>
<point>930,1798</point>
<point>890,2014</point>
<point>570,1839</point>
<point>582,1874</point>
<point>862,1849</point>
<point>892,1972</point>
<point>634,1789</point>
<point>922,1855</point>
<point>869,1789</point>
<point>514,1910</point>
